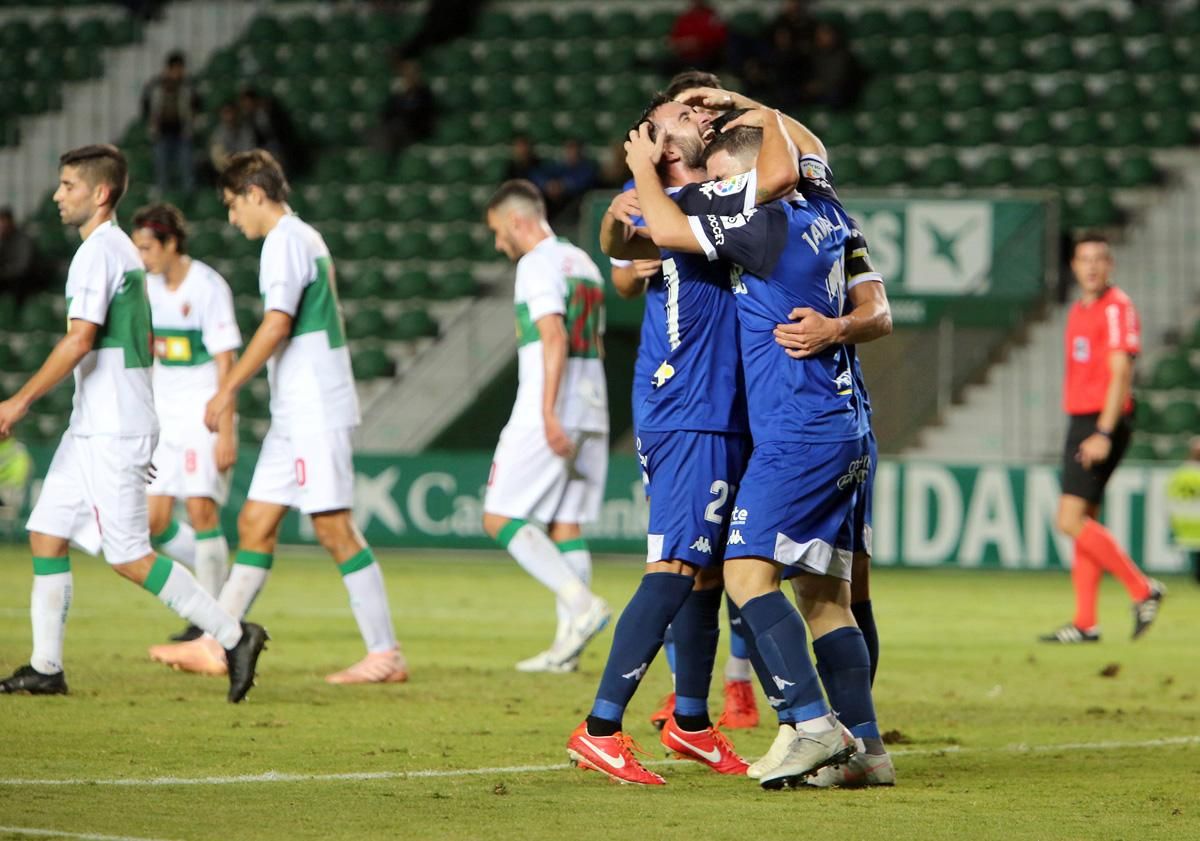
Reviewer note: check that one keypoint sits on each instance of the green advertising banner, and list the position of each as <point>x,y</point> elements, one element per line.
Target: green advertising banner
<point>957,258</point>
<point>925,513</point>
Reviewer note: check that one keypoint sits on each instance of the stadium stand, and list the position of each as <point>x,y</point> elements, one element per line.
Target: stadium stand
<point>991,97</point>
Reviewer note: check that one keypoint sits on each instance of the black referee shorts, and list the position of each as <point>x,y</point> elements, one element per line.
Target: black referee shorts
<point>1089,483</point>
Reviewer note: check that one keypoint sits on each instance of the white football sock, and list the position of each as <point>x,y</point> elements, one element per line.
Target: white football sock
<point>212,557</point>
<point>579,559</point>
<point>179,542</point>
<point>184,595</point>
<point>533,549</point>
<point>369,601</point>
<point>247,577</point>
<point>738,668</point>
<point>48,606</point>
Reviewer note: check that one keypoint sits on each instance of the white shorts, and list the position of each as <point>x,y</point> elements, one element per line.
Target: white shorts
<point>185,462</point>
<point>310,470</point>
<point>529,481</point>
<point>95,496</point>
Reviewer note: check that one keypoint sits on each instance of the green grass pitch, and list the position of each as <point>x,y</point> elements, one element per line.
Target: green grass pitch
<point>1000,737</point>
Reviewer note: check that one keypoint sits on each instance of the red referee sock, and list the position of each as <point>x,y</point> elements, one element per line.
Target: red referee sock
<point>1101,547</point>
<point>1085,575</point>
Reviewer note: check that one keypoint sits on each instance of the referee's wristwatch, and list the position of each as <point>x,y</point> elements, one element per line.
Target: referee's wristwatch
<point>1100,431</point>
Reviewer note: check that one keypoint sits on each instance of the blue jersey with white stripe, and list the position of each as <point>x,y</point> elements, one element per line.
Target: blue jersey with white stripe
<point>687,375</point>
<point>789,254</point>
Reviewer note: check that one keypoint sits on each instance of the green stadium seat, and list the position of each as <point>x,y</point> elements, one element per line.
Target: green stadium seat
<point>938,171</point>
<point>414,324</point>
<point>371,363</point>
<point>304,29</point>
<point>1134,169</point>
<point>1170,129</point>
<point>248,317</point>
<point>537,25</point>
<point>1166,94</point>
<point>458,207</point>
<point>453,130</point>
<point>924,95</point>
<point>349,28</point>
<point>881,128</point>
<point>17,34</point>
<point>32,354</point>
<point>337,242</point>
<point>871,22</point>
<point>957,22</point>
<point>1173,371</point>
<point>332,169</point>
<point>1015,95</point>
<point>328,205</point>
<point>1043,171</point>
<point>1068,94</point>
<point>880,92</point>
<point>847,170</point>
<point>1007,54</point>
<point>1001,23</point>
<point>1180,417</point>
<point>1145,416</point>
<point>460,245</point>
<point>1052,55</point>
<point>1082,130</point>
<point>1141,449</point>
<point>914,23</point>
<point>460,284</point>
<point>244,280</point>
<point>579,24</point>
<point>977,129</point>
<point>1105,56</point>
<point>1093,21</point>
<point>1194,337</point>
<point>993,171</point>
<point>1155,56</point>
<point>1089,169</point>
<point>414,283</point>
<point>962,59</point>
<point>618,25</point>
<point>265,30</point>
<point>915,56</point>
<point>368,323</point>
<point>1117,95</point>
<point>493,25</point>
<point>967,92</point>
<point>1034,130</point>
<point>414,207</point>
<point>1128,129</point>
<point>1095,209</point>
<point>929,129</point>
<point>53,34</point>
<point>412,244</point>
<point>458,169</point>
<point>372,244</point>
<point>1045,20</point>
<point>891,169</point>
<point>657,24</point>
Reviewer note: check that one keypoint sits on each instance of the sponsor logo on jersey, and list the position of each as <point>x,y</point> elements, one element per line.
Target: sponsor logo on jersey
<point>739,516</point>
<point>728,187</point>
<point>702,544</point>
<point>638,673</point>
<point>844,382</point>
<point>1081,350</point>
<point>735,539</point>
<point>173,348</point>
<point>738,221</point>
<point>813,170</point>
<point>664,373</point>
<point>718,234</point>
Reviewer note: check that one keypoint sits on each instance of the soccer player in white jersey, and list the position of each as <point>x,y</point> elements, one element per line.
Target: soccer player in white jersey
<point>95,491</point>
<point>306,461</point>
<point>552,460</point>
<point>195,342</point>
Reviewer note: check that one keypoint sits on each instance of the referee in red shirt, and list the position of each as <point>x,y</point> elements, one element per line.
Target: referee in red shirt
<point>1103,337</point>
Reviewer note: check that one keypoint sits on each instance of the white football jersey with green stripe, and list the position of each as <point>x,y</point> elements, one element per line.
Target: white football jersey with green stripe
<point>312,384</point>
<point>556,278</point>
<point>192,324</point>
<point>106,285</point>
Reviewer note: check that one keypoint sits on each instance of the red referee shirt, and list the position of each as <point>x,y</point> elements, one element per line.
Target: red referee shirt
<point>1094,330</point>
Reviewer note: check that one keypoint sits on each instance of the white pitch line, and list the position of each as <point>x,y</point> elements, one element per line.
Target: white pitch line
<point>279,777</point>
<point>55,833</point>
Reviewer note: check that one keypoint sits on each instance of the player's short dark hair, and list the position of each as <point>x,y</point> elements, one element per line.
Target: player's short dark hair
<point>657,101</point>
<point>256,168</point>
<point>688,79</point>
<point>1086,237</point>
<point>164,222</point>
<point>100,163</point>
<point>522,190</point>
<point>738,141</point>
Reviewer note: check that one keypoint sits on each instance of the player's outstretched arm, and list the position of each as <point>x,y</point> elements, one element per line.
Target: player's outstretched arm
<point>618,238</point>
<point>776,170</point>
<point>67,353</point>
<point>275,328</point>
<point>809,332</point>
<point>717,99</point>
<point>553,332</point>
<point>631,281</point>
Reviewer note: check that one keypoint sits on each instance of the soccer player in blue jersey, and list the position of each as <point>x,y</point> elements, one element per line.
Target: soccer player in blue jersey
<point>691,428</point>
<point>796,504</point>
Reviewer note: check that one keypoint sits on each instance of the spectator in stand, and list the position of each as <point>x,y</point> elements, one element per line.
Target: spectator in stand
<point>834,74</point>
<point>796,19</point>
<point>562,182</point>
<point>18,257</point>
<point>698,37</point>
<point>231,136</point>
<point>273,129</point>
<point>409,112</point>
<point>169,105</point>
<point>523,161</point>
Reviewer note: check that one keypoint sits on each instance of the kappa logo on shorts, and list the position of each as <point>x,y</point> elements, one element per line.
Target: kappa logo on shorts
<point>638,673</point>
<point>702,544</point>
<point>780,683</point>
<point>735,538</point>
<point>775,702</point>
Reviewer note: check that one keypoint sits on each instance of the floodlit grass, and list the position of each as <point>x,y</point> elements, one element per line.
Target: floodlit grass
<point>1000,737</point>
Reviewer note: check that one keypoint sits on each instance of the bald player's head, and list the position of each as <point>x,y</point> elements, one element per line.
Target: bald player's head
<point>516,213</point>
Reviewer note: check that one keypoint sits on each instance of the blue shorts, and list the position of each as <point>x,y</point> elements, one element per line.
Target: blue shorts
<point>692,480</point>
<point>797,506</point>
<point>866,492</point>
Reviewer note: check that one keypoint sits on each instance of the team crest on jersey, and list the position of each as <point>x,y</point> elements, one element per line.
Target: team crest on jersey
<point>1081,351</point>
<point>664,373</point>
<point>844,382</point>
<point>728,187</point>
<point>186,309</point>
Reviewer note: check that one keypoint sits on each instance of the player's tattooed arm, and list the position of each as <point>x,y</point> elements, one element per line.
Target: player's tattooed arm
<point>809,332</point>
<point>718,99</point>
<point>619,237</point>
<point>667,224</point>
<point>275,328</point>
<point>69,352</point>
<point>553,332</point>
<point>226,447</point>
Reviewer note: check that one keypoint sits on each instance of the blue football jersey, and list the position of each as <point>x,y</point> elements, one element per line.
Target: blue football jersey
<point>788,254</point>
<point>687,375</point>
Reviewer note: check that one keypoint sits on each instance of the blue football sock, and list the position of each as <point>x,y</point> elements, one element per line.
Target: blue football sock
<point>669,650</point>
<point>739,645</point>
<point>845,671</point>
<point>698,624</point>
<point>865,617</point>
<point>779,635</point>
<point>637,638</point>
